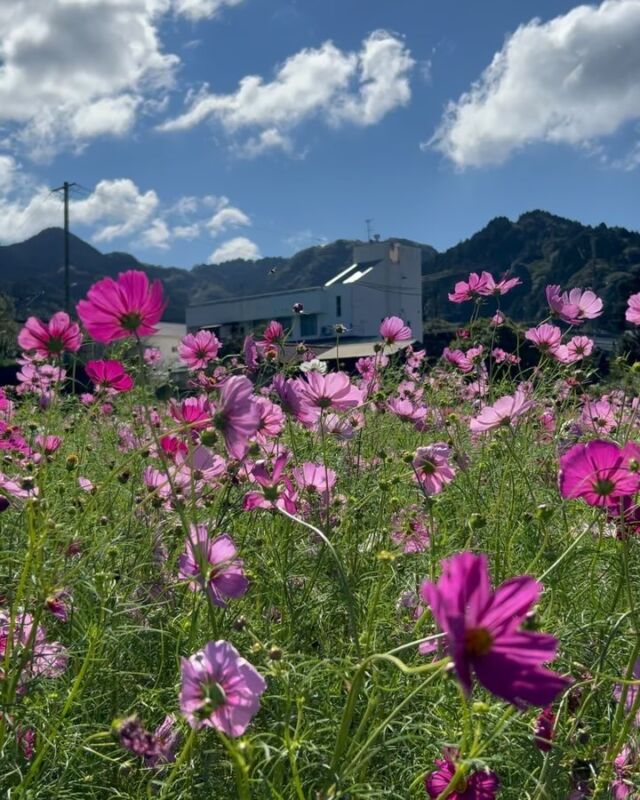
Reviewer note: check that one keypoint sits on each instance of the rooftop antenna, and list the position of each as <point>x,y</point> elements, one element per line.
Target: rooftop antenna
<point>368,224</point>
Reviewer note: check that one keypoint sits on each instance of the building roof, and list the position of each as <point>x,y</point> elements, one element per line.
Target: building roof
<point>360,349</point>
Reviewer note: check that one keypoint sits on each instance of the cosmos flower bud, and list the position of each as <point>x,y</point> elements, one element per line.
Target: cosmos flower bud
<point>208,437</point>
<point>275,653</point>
<point>544,512</point>
<point>297,308</point>
<point>72,462</point>
<point>477,521</point>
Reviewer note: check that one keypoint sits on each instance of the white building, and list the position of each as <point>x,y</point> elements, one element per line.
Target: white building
<point>385,279</point>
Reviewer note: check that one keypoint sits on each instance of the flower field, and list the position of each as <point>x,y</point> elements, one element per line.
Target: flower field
<point>421,579</point>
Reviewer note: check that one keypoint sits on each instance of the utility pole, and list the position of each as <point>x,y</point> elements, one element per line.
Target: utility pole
<point>67,284</point>
<point>368,223</point>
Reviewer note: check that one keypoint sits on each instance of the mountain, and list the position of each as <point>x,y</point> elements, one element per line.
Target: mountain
<point>538,247</point>
<point>541,249</point>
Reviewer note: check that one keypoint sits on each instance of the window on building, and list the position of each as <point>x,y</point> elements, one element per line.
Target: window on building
<point>309,325</point>
<point>338,306</point>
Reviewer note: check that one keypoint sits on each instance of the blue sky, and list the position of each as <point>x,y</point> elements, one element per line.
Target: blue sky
<point>345,120</point>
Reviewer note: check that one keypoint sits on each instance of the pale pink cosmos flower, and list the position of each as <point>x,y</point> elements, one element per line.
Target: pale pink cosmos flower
<point>598,416</point>
<point>128,306</point>
<point>574,306</point>
<point>632,314</point>
<point>52,338</point>
<point>250,353</point>
<point>432,467</point>
<point>272,420</point>
<point>409,530</point>
<point>580,347</point>
<point>497,319</point>
<point>152,356</point>
<point>48,444</point>
<point>504,412</point>
<point>196,350</point>
<point>393,329</point>
<point>109,376</point>
<point>315,479</point>
<point>220,689</point>
<point>334,391</point>
<point>546,337</point>
<point>406,410</point>
<point>458,358</point>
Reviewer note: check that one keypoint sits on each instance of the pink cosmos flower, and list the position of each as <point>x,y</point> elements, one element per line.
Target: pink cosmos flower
<point>632,693</point>
<point>315,479</point>
<point>575,306</point>
<point>393,329</point>
<point>632,313</point>
<point>194,412</point>
<point>432,467</point>
<point>236,415</point>
<point>52,338</point>
<point>623,786</point>
<point>546,337</point>
<point>129,306</point>
<point>272,420</point>
<point>459,359</point>
<point>409,530</point>
<point>478,785</point>
<point>598,472</point>
<point>213,566</point>
<point>599,416</point>
<point>220,689</point>
<point>276,489</point>
<point>543,730</point>
<point>497,288</point>
<point>156,748</point>
<point>272,337</point>
<point>109,376</point>
<point>321,392</point>
<point>505,411</point>
<point>196,350</point>
<point>250,353</point>
<point>152,356</point>
<point>405,410</point>
<point>580,347</point>
<point>482,631</point>
<point>47,659</point>
<point>476,286</point>
<point>497,319</point>
<point>48,444</point>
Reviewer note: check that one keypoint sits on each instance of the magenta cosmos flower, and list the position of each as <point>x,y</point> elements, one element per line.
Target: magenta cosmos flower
<point>212,565</point>
<point>432,467</point>
<point>498,288</point>
<point>503,412</point>
<point>196,350</point>
<point>236,415</point>
<point>599,473</point>
<point>220,689</point>
<point>474,786</point>
<point>393,329</point>
<point>50,338</point>
<point>109,376</point>
<point>130,306</point>
<point>575,306</point>
<point>482,631</point>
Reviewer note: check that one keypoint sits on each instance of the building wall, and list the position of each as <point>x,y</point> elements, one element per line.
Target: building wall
<point>391,287</point>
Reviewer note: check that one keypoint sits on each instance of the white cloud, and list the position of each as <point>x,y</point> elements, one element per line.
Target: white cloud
<point>156,235</point>
<point>117,207</point>
<point>240,247</point>
<point>202,9</point>
<point>187,232</point>
<point>574,79</point>
<point>341,87</point>
<point>8,169</point>
<point>228,217</point>
<point>74,69</point>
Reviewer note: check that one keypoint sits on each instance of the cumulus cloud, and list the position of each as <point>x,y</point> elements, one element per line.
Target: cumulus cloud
<point>116,207</point>
<point>573,80</point>
<point>74,69</point>
<point>202,9</point>
<point>225,218</point>
<point>358,88</point>
<point>156,235</point>
<point>239,247</point>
